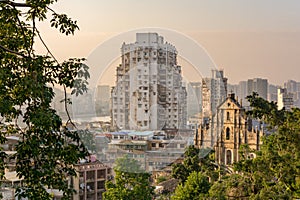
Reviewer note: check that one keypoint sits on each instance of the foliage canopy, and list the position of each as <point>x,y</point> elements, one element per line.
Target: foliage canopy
<point>45,154</point>
<point>131,182</point>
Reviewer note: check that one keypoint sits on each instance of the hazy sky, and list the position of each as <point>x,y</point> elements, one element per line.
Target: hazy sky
<point>246,38</point>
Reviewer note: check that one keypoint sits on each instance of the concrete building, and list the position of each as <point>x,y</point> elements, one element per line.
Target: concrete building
<point>243,90</point>
<point>83,107</point>
<point>259,86</point>
<point>90,180</point>
<point>194,98</point>
<point>152,149</point>
<point>294,88</point>
<point>285,99</point>
<point>102,100</point>
<point>149,93</point>
<point>231,129</point>
<point>232,88</point>
<point>272,92</point>
<point>214,91</point>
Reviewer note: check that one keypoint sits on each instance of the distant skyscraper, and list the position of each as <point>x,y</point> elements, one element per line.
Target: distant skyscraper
<point>294,88</point>
<point>259,86</point>
<point>83,106</point>
<point>291,86</point>
<point>232,88</point>
<point>285,99</point>
<point>243,92</point>
<point>214,91</point>
<point>149,93</point>
<point>194,97</point>
<point>272,92</point>
<point>102,100</point>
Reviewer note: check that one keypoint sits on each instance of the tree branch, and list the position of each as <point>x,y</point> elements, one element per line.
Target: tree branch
<point>23,31</point>
<point>51,10</point>
<point>13,52</point>
<point>15,4</point>
<point>66,108</point>
<point>48,50</point>
<point>33,29</point>
<point>65,90</point>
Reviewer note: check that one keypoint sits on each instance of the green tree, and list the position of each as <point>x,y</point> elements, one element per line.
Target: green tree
<point>217,191</point>
<point>276,170</point>
<point>232,186</point>
<point>45,154</point>
<point>131,182</point>
<point>195,187</point>
<point>199,160</point>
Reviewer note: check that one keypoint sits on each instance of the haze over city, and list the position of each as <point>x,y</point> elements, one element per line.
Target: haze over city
<point>245,38</point>
<point>164,100</point>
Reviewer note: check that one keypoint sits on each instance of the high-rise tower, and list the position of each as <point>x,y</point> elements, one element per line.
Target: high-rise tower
<point>149,93</point>
<point>258,85</point>
<point>214,91</point>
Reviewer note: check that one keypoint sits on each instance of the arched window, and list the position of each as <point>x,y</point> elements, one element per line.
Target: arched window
<point>228,116</point>
<point>228,157</point>
<point>227,133</point>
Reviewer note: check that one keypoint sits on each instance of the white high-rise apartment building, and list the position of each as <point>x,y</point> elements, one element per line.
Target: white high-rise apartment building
<point>285,99</point>
<point>294,88</point>
<point>214,92</point>
<point>149,93</point>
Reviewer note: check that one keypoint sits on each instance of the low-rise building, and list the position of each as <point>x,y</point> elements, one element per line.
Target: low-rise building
<point>153,149</point>
<point>90,180</point>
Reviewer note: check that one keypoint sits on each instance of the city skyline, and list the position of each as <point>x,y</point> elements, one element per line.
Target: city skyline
<point>254,37</point>
<point>149,99</point>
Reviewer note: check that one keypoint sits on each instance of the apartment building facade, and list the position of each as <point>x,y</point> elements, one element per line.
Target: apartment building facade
<point>90,180</point>
<point>284,99</point>
<point>149,92</point>
<point>214,91</point>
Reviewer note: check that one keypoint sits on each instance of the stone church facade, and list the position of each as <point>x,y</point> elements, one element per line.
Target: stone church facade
<point>227,130</point>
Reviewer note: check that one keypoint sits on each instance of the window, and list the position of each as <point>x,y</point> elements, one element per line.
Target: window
<point>228,116</point>
<point>227,133</point>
